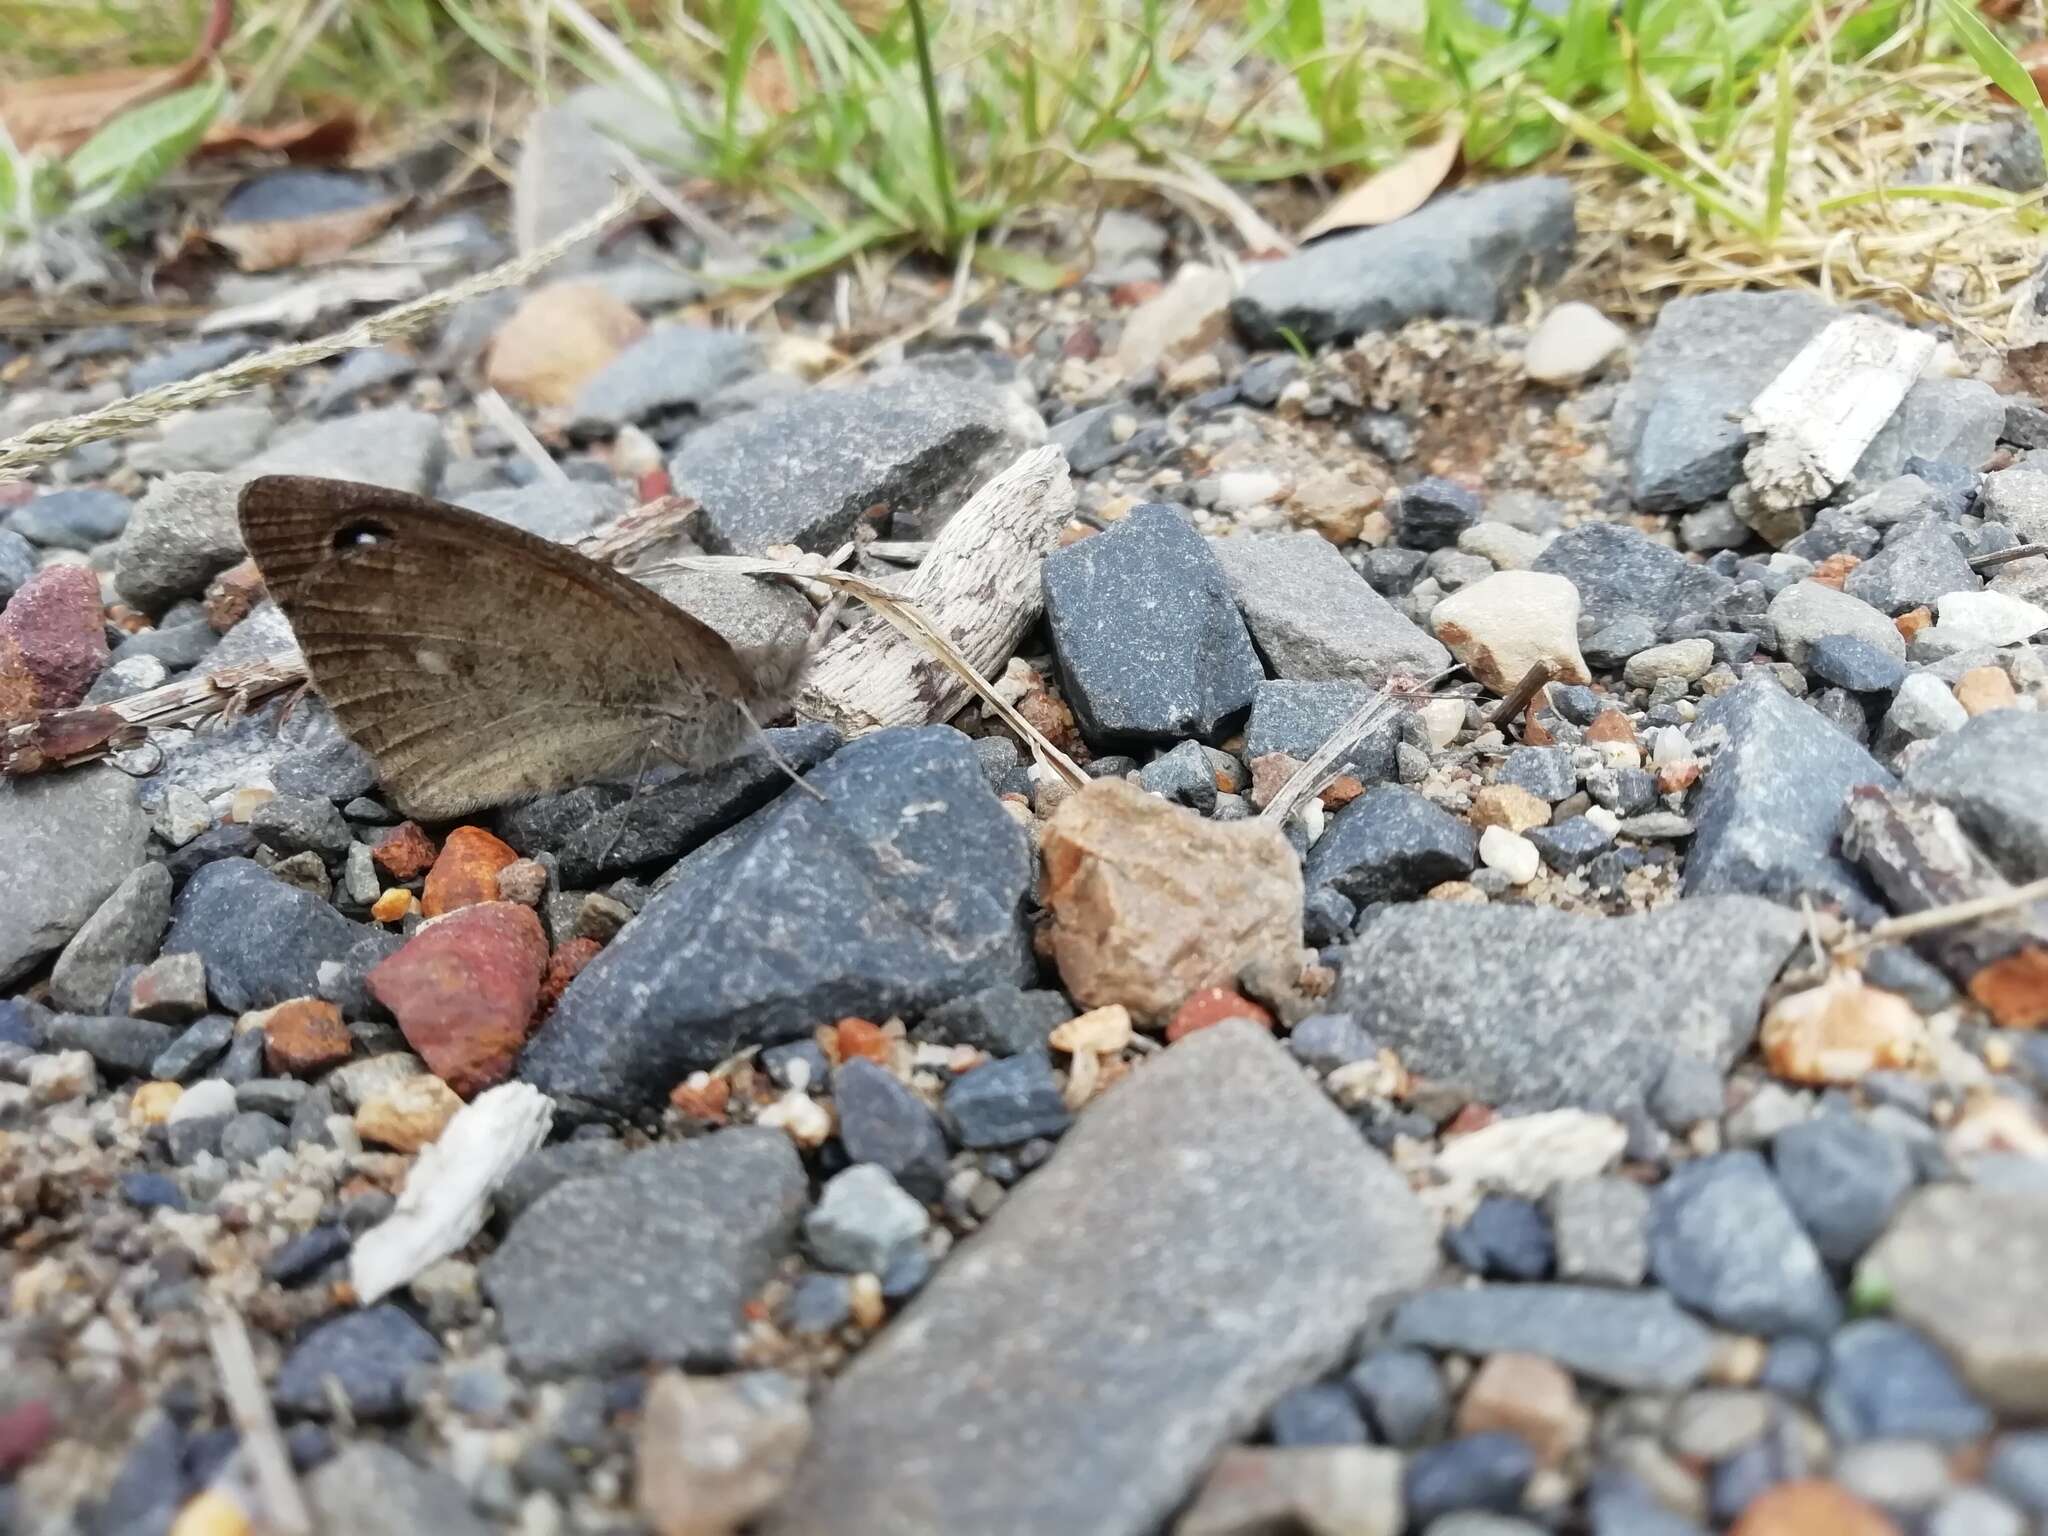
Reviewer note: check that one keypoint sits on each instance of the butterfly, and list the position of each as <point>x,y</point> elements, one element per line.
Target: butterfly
<point>478,664</point>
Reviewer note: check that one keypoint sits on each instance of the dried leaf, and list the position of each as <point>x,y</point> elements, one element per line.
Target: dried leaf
<point>263,245</point>
<point>61,113</point>
<point>302,139</point>
<point>1394,192</point>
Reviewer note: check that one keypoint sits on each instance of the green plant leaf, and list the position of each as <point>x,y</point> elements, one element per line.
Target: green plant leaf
<point>1996,60</point>
<point>1024,268</point>
<point>137,148</point>
<point>1640,159</point>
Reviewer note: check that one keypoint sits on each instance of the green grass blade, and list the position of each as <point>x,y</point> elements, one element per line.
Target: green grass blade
<point>942,164</point>
<point>1639,159</point>
<point>1787,106</point>
<point>1996,60</point>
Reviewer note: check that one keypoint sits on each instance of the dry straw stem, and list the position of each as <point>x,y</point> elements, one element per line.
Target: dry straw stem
<point>53,439</point>
<point>1934,919</point>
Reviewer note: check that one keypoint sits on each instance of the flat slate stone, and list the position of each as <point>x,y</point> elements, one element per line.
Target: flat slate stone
<point>1297,718</point>
<point>1917,566</point>
<point>397,447</point>
<point>1391,844</point>
<point>652,1260</point>
<point>1769,808</point>
<point>1314,618</point>
<point>803,470</point>
<point>263,941</point>
<point>1637,1341</point>
<point>1149,641</point>
<point>1989,774</point>
<point>1953,420</point>
<point>1724,1240</point>
<point>70,839</point>
<point>673,368</point>
<point>1708,355</point>
<point>1468,255</point>
<point>1530,1008</point>
<point>902,888</point>
<point>1211,1233</point>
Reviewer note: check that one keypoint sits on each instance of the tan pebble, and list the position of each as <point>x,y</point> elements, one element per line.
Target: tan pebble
<point>1503,625</point>
<point>1334,505</point>
<point>1529,1396</point>
<point>1983,689</point>
<point>409,1114</point>
<point>1195,375</point>
<point>245,801</point>
<point>1811,1508</point>
<point>1997,1053</point>
<point>559,337</point>
<point>864,1301</point>
<point>524,881</point>
<point>1992,1122</point>
<point>1738,1360</point>
<point>393,906</point>
<point>1100,1031</point>
<point>153,1101</point>
<point>1839,1031</point>
<point>711,1452</point>
<point>211,1513</point>
<point>1509,806</point>
<point>1461,891</point>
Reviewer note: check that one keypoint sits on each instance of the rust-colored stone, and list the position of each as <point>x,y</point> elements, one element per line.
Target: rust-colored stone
<point>1911,622</point>
<point>1270,773</point>
<point>1150,902</point>
<point>706,1100</point>
<point>564,965</point>
<point>231,595</point>
<point>1340,791</point>
<point>304,1037</point>
<point>464,991</point>
<point>53,642</point>
<point>1049,713</point>
<point>860,1037</point>
<point>1509,806</point>
<point>393,906</point>
<point>466,873</point>
<point>1839,1031</point>
<point>2014,991</point>
<point>405,852</point>
<point>1834,571</point>
<point>1672,777</point>
<point>1212,1005</point>
<point>1808,1508</point>
<point>1612,725</point>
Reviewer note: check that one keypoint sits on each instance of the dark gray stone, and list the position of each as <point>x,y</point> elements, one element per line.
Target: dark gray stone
<point>1404,1393</point>
<point>358,373</point>
<point>1322,1413</point>
<point>1610,649</point>
<point>1707,356</point>
<point>70,840</point>
<point>883,1122</point>
<point>1546,772</point>
<point>1002,1020</point>
<point>2019,1468</point>
<point>1941,418</point>
<point>1390,844</point>
<point>249,1135</point>
<point>1298,717</point>
<point>1886,1382</point>
<point>1621,572</point>
<point>1005,1101</point>
<point>1313,617</point>
<point>1769,806</point>
<point>564,513</point>
<point>1517,1005</point>
<point>396,447</point>
<point>1220,1160</point>
<point>671,370</point>
<point>189,360</point>
<point>651,1261</point>
<point>1327,1041</point>
<point>1572,843</point>
<point>198,1048</point>
<point>152,1482</point>
<point>329,768</point>
<point>1485,1471</point>
<point>123,932</point>
<point>263,941</point>
<point>1843,1179</point>
<point>1183,776</point>
<point>1988,774</point>
<point>287,824</point>
<point>1724,1241</point>
<point>130,1046</point>
<point>72,519</point>
<point>1636,1341</point>
<point>17,563</point>
<point>805,469</point>
<point>1850,662</point>
<point>540,1171</point>
<point>1150,644</point>
<point>1917,566</point>
<point>1505,1238</point>
<point>661,824</point>
<point>369,1359</point>
<point>1467,255</point>
<point>898,890</point>
<point>1431,513</point>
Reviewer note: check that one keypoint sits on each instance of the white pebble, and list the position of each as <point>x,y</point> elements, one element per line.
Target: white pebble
<point>1603,818</point>
<point>1239,490</point>
<point>1573,342</point>
<point>1510,853</point>
<point>65,1075</point>
<point>207,1099</point>
<point>1987,618</point>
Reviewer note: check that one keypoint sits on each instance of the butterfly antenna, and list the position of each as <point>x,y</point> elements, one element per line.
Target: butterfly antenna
<point>774,756</point>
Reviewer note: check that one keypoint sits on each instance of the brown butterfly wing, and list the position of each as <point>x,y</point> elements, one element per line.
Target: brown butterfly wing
<point>475,662</point>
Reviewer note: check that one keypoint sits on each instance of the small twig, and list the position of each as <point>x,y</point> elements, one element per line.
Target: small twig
<point>2007,556</point>
<point>499,413</point>
<point>53,439</point>
<point>1531,684</point>
<point>241,1383</point>
<point>1313,774</point>
<point>1936,918</point>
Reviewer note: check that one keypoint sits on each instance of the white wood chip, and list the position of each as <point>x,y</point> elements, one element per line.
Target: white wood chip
<point>1813,421</point>
<point>448,1192</point>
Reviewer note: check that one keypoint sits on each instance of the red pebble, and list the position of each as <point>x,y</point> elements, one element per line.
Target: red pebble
<point>464,991</point>
<point>564,965</point>
<point>1212,1005</point>
<point>304,1037</point>
<point>24,1431</point>
<point>53,642</point>
<point>466,873</point>
<point>862,1037</point>
<point>405,852</point>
